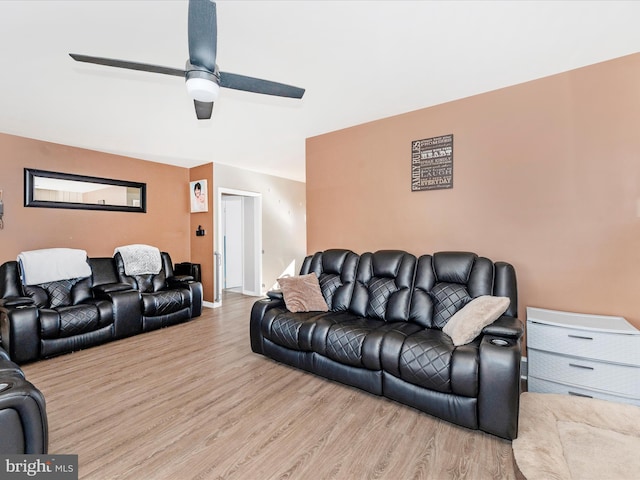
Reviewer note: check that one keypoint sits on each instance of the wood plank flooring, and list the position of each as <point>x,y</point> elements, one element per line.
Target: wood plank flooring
<point>193,402</point>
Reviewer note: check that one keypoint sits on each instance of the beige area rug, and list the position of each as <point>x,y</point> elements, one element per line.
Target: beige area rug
<point>576,438</point>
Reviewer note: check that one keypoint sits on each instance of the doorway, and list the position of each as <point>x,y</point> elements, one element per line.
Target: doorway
<point>232,243</point>
<point>239,243</point>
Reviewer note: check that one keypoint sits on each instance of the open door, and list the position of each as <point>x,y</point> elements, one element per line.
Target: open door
<point>239,242</point>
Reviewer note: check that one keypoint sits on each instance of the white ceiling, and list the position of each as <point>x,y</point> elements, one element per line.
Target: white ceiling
<point>358,60</point>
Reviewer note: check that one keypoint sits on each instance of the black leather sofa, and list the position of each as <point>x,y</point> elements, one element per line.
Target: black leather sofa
<point>40,321</point>
<point>383,333</point>
<point>23,417</point>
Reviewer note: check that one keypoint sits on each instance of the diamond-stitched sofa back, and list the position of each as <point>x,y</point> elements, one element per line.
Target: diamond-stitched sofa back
<point>383,285</point>
<point>60,293</point>
<point>336,271</point>
<point>445,282</point>
<point>147,283</point>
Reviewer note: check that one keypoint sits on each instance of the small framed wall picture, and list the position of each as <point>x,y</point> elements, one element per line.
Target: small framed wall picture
<point>198,195</point>
<point>432,163</point>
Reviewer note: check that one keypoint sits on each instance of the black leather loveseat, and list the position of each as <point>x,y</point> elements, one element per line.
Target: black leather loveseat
<point>383,333</point>
<point>23,417</point>
<point>44,320</point>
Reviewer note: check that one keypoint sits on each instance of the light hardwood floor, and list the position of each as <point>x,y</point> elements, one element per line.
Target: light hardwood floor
<point>193,402</point>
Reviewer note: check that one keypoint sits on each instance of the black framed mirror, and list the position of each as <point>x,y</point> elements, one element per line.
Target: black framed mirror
<point>65,190</point>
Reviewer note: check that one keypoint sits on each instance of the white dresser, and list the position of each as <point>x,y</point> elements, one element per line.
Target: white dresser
<point>587,355</point>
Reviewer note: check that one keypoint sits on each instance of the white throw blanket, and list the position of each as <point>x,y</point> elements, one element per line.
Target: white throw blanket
<point>140,259</point>
<point>53,264</point>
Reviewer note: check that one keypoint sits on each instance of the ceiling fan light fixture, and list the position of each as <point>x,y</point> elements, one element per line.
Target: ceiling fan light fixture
<point>202,89</point>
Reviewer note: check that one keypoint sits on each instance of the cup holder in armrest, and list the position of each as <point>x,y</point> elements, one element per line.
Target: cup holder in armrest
<point>499,342</point>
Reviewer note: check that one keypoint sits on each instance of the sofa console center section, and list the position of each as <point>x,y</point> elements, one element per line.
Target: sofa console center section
<point>584,355</point>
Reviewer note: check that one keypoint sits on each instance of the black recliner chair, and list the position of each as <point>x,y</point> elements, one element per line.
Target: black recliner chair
<point>166,298</point>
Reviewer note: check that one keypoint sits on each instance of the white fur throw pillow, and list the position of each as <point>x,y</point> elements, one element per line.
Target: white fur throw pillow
<point>467,323</point>
<point>303,294</point>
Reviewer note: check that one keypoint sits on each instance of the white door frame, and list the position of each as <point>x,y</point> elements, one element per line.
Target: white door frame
<point>255,285</point>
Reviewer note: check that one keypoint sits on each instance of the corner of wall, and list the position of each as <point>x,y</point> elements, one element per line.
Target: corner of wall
<point>201,247</point>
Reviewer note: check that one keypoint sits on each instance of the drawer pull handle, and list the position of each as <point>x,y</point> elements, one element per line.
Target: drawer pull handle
<point>576,394</point>
<point>580,366</point>
<point>581,337</point>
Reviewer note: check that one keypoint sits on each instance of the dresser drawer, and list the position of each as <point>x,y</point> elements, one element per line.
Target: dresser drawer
<point>544,386</point>
<point>584,343</point>
<point>617,379</point>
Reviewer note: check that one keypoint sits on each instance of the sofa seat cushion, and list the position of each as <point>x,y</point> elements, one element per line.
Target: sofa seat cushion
<point>164,302</point>
<point>353,340</point>
<point>345,342</point>
<point>341,336</point>
<point>429,359</point>
<point>289,329</point>
<point>74,320</point>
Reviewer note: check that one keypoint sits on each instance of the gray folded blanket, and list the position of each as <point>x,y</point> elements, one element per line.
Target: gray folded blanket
<point>140,259</point>
<point>53,264</point>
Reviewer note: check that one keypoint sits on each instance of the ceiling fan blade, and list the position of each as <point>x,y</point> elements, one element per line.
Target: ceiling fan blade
<point>109,62</point>
<point>203,32</point>
<point>257,85</point>
<point>203,109</point>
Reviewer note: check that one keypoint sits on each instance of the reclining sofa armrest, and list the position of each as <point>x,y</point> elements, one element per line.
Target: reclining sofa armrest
<point>505,326</point>
<point>20,333</point>
<point>23,417</point>
<point>499,387</point>
<point>257,314</point>
<point>275,295</point>
<point>7,367</point>
<point>108,288</point>
<point>196,298</point>
<point>179,280</point>
<point>15,302</point>
<point>127,309</point>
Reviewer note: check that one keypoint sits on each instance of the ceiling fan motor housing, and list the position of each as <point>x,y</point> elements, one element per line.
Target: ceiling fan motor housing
<point>202,85</point>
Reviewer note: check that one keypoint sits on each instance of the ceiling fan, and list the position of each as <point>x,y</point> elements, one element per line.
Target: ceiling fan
<point>201,73</point>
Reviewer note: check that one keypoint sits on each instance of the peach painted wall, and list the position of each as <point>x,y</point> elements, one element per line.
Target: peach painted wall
<point>202,247</point>
<point>165,225</point>
<point>546,177</point>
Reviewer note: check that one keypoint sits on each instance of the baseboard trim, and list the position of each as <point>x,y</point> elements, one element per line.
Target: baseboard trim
<point>251,293</point>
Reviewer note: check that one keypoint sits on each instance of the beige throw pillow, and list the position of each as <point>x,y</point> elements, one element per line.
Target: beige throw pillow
<point>467,323</point>
<point>303,294</point>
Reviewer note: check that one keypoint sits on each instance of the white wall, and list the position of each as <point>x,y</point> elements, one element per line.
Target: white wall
<point>284,239</point>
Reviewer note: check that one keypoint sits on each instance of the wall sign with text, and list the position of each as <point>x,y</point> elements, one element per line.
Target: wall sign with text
<point>432,163</point>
